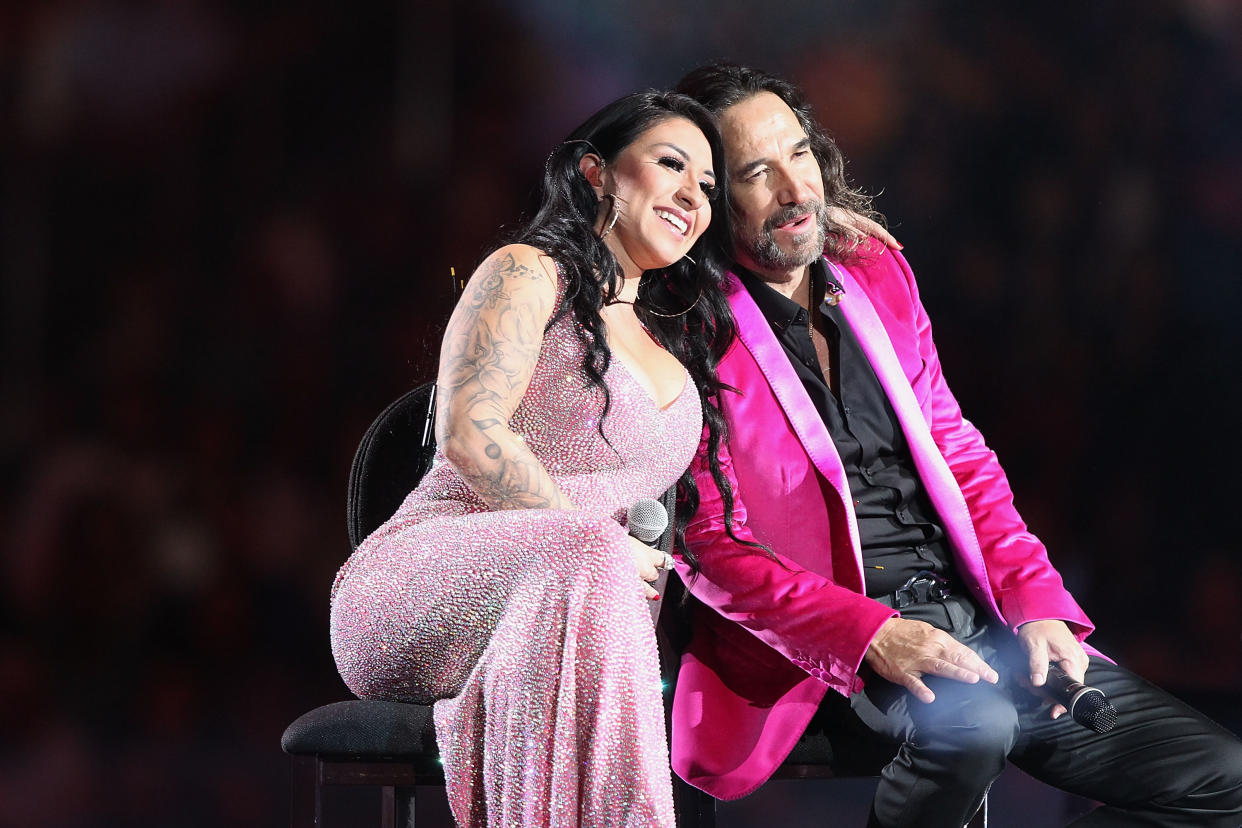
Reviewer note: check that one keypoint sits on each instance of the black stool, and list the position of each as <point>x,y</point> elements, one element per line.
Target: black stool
<point>387,744</point>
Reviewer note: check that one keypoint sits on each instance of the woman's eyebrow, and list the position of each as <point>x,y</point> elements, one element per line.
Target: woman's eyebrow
<point>685,156</point>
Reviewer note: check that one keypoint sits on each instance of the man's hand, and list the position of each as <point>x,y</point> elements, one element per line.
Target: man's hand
<point>903,651</point>
<point>1051,641</point>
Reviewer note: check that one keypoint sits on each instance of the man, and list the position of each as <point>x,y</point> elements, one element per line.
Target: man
<point>864,570</point>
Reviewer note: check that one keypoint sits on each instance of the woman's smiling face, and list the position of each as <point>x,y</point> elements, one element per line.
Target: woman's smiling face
<point>663,183</point>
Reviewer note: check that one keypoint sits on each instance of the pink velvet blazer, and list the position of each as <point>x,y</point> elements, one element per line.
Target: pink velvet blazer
<point>770,640</point>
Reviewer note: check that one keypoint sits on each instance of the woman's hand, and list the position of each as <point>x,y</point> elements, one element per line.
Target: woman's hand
<point>647,560</point>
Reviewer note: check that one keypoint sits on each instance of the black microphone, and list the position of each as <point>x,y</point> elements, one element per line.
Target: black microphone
<point>1089,706</point>
<point>647,519</point>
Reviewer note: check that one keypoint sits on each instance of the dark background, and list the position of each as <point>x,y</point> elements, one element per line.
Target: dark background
<point>227,230</point>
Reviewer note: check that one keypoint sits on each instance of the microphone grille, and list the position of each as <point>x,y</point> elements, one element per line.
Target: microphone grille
<point>647,519</point>
<point>1096,712</point>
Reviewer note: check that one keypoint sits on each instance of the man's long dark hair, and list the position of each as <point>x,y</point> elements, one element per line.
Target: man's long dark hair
<point>564,228</point>
<point>719,86</point>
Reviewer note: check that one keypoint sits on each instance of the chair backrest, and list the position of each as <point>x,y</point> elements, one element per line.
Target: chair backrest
<point>392,457</point>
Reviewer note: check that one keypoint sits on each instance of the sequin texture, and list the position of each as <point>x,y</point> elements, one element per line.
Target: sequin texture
<point>529,628</point>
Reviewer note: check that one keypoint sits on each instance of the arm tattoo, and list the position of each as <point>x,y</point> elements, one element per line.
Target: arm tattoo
<point>513,484</point>
<point>490,349</point>
<point>491,449</point>
<point>491,291</point>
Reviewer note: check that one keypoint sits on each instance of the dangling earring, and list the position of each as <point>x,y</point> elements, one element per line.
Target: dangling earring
<point>692,261</point>
<point>613,213</point>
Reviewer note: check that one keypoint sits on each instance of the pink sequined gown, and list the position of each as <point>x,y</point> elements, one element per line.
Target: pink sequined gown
<point>529,627</point>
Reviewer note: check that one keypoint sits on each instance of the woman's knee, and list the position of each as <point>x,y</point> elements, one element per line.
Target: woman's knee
<point>583,542</point>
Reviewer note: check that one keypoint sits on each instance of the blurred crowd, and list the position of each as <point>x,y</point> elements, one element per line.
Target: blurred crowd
<point>226,234</point>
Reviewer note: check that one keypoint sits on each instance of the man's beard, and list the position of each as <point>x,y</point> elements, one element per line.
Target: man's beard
<point>807,247</point>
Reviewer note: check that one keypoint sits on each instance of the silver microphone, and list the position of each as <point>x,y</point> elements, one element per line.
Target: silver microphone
<point>647,519</point>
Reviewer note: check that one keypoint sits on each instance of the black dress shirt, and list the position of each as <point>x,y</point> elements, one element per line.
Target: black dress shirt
<point>897,524</point>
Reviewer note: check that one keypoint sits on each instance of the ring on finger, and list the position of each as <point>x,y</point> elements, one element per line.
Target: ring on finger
<point>668,563</point>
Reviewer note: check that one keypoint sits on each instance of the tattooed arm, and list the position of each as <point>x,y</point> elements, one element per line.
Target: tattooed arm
<point>489,352</point>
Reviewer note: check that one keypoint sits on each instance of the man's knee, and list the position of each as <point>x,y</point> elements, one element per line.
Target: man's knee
<point>980,727</point>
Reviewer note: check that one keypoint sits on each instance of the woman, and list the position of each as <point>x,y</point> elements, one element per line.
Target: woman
<point>572,378</point>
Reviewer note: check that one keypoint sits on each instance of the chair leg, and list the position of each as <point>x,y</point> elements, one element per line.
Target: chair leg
<point>388,807</point>
<point>306,808</point>
<point>980,819</point>
<point>397,807</point>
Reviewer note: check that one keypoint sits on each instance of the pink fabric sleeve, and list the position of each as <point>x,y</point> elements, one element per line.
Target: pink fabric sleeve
<point>818,625</point>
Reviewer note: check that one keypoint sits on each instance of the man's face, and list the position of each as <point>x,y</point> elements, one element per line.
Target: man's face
<point>778,191</point>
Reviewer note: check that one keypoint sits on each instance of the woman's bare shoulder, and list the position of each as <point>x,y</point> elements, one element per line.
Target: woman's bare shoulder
<point>521,261</point>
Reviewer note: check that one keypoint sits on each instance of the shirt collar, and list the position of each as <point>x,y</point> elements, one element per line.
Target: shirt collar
<point>780,310</point>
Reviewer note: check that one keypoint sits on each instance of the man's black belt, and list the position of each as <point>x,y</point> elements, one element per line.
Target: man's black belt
<point>921,588</point>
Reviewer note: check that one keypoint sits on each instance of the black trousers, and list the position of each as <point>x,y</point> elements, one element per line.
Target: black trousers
<point>1163,764</point>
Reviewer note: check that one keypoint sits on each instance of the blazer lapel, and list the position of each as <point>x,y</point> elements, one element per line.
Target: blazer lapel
<point>755,333</point>
<point>928,459</point>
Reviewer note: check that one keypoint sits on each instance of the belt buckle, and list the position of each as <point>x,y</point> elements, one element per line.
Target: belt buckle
<point>921,587</point>
<point>905,596</point>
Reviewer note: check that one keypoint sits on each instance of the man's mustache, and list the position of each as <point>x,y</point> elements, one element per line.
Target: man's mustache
<point>793,211</point>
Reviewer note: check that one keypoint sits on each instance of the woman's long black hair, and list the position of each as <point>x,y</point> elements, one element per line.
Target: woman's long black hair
<point>564,228</point>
